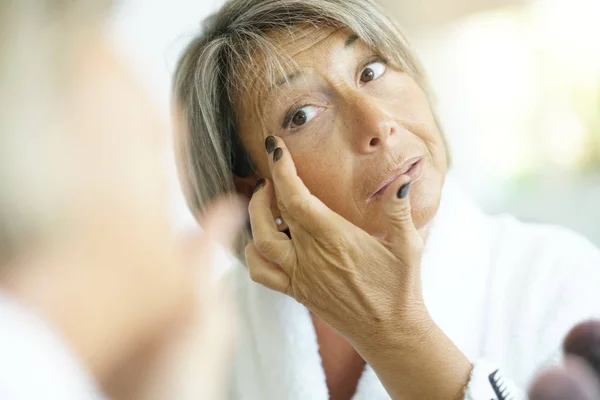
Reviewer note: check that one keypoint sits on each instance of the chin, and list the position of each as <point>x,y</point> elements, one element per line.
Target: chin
<point>425,202</point>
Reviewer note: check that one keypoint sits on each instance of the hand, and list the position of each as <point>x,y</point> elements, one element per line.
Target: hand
<point>368,289</point>
<point>95,254</point>
<point>361,285</point>
<point>190,360</point>
<point>579,378</point>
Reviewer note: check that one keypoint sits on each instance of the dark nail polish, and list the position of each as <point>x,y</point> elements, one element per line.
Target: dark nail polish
<point>584,341</point>
<point>404,190</point>
<point>270,144</point>
<point>259,184</point>
<point>277,154</point>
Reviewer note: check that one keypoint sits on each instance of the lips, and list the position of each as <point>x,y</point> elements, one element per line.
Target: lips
<point>413,168</point>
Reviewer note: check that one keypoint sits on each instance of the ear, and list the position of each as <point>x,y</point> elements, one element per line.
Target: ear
<point>245,186</point>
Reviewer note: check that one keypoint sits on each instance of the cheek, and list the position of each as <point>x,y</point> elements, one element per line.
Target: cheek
<point>327,173</point>
<point>417,114</point>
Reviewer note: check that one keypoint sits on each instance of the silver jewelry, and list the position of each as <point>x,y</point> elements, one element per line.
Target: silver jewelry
<point>278,221</point>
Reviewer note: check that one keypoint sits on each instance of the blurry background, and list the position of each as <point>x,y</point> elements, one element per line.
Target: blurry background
<point>517,84</point>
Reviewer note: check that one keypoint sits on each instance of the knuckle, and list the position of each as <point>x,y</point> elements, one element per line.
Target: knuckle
<point>401,217</point>
<point>263,245</point>
<point>248,249</point>
<point>255,273</point>
<point>249,254</point>
<point>298,205</point>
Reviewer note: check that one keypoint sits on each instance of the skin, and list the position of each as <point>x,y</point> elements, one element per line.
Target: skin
<point>352,134</point>
<point>127,294</point>
<point>361,133</point>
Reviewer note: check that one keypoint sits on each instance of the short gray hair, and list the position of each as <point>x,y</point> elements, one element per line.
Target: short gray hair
<point>36,42</point>
<point>207,80</point>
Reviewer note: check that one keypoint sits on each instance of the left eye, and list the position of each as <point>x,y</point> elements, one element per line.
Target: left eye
<point>372,72</point>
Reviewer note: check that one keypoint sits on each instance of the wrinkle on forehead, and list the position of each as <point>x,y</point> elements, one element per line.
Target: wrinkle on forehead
<point>305,38</point>
<point>261,72</point>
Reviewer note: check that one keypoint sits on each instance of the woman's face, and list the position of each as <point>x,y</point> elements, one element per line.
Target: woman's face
<point>352,122</point>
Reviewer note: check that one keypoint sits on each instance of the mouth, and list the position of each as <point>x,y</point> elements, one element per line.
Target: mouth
<point>412,168</point>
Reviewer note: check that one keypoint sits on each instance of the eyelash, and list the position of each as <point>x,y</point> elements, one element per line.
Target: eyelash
<point>381,59</point>
<point>290,114</point>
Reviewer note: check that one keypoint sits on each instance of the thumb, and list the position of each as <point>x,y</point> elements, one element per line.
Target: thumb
<point>402,235</point>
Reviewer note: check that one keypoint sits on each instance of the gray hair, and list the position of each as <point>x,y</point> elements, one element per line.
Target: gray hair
<point>209,78</point>
<point>36,44</point>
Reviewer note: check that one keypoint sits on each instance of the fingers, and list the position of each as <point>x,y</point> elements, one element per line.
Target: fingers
<point>576,381</point>
<point>273,245</point>
<point>584,341</point>
<point>401,229</point>
<point>295,201</point>
<point>580,377</point>
<point>556,384</point>
<point>265,272</point>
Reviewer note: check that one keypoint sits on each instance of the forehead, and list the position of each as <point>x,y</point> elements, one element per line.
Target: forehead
<point>298,41</point>
<point>289,50</point>
<point>294,49</point>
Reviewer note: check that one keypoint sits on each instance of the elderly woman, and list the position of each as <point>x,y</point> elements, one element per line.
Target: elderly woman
<point>377,277</point>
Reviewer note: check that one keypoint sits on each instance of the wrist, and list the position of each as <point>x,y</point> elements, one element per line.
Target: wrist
<point>424,363</point>
<point>402,332</point>
<point>404,338</point>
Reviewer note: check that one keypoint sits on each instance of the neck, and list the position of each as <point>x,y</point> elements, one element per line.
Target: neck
<point>342,364</point>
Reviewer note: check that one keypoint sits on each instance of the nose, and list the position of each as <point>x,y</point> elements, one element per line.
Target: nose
<point>372,126</point>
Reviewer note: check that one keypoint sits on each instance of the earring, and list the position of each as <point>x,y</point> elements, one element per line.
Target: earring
<point>278,221</point>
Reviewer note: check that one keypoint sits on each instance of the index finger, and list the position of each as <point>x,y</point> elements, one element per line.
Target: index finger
<point>275,246</point>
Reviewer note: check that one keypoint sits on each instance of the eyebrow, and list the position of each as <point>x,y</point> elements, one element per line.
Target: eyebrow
<point>294,75</point>
<point>351,40</point>
<point>288,78</point>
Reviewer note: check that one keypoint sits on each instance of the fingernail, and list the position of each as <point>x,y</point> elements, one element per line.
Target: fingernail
<point>270,144</point>
<point>404,190</point>
<point>584,341</point>
<point>259,184</point>
<point>277,154</point>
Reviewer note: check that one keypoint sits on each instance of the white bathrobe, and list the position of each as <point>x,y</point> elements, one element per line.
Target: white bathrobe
<point>505,292</point>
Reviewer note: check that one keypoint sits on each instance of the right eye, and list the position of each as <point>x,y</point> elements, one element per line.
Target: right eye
<point>300,116</point>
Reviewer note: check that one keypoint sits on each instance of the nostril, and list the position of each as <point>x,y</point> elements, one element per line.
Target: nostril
<point>374,142</point>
